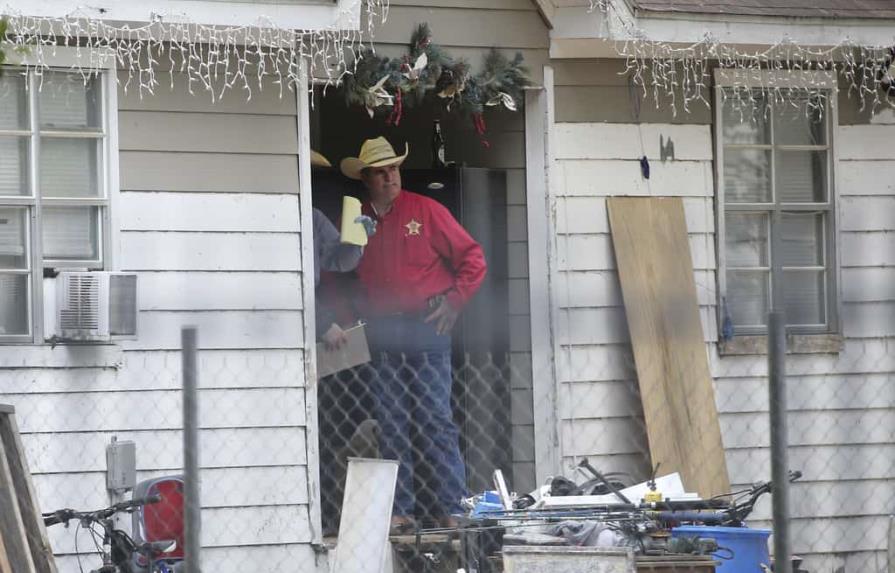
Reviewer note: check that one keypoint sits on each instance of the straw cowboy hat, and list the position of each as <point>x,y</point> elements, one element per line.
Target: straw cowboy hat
<point>373,153</point>
<point>318,160</point>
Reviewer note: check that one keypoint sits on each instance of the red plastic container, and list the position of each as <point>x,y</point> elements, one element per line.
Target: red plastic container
<point>162,520</point>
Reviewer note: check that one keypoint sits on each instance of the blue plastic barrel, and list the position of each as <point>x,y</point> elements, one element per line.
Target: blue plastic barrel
<point>749,546</point>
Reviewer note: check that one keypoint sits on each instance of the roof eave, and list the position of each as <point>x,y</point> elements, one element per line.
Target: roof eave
<point>575,35</point>
<point>547,9</point>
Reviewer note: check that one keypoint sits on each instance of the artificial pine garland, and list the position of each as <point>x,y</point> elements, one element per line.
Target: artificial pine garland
<point>4,24</point>
<point>386,86</point>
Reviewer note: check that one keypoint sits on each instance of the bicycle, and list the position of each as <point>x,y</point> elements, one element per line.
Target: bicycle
<point>117,549</point>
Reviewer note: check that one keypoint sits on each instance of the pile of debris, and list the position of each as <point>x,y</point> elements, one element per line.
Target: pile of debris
<point>655,524</point>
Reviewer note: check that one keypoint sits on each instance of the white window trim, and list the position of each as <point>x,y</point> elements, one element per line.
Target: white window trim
<point>292,15</point>
<point>65,59</point>
<point>815,79</point>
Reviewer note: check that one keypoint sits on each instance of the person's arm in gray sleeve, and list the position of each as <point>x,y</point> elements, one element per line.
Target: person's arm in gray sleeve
<point>326,317</point>
<point>334,255</point>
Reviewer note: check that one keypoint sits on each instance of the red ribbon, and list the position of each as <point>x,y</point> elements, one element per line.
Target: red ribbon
<point>394,117</point>
<point>478,120</point>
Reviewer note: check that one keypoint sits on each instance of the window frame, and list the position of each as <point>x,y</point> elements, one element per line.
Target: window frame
<point>285,14</point>
<point>102,62</point>
<point>817,80</point>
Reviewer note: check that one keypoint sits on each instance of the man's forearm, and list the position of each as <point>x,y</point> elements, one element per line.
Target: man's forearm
<point>346,258</point>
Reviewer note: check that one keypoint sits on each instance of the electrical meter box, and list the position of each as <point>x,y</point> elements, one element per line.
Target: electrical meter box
<point>121,465</point>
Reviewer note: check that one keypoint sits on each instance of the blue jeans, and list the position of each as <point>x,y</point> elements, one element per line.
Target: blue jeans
<point>411,387</point>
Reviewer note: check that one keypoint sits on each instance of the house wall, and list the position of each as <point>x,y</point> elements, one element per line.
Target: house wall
<point>209,218</point>
<point>208,215</point>
<point>842,416</point>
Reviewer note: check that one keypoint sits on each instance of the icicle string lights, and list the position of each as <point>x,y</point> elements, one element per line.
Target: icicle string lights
<point>214,59</point>
<point>681,75</point>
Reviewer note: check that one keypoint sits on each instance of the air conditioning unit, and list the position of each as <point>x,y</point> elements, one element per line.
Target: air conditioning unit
<point>94,306</point>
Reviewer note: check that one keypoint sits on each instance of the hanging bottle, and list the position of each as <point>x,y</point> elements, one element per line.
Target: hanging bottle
<point>437,146</point>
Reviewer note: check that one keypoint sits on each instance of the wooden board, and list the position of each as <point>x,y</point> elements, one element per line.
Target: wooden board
<point>5,567</point>
<point>39,555</point>
<point>12,530</point>
<point>659,292</point>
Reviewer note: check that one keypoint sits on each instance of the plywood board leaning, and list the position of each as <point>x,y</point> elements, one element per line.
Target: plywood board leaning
<point>656,272</point>
<point>18,490</point>
<point>12,529</point>
<point>5,567</point>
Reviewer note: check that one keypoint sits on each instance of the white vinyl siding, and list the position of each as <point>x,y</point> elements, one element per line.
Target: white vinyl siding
<point>776,215</point>
<point>838,401</point>
<point>54,187</point>
<point>218,249</point>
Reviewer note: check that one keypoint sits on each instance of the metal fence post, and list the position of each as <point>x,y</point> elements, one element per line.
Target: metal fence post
<point>779,457</point>
<point>192,507</point>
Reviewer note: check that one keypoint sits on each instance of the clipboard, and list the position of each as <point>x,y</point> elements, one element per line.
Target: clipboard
<point>354,353</point>
<point>352,233</point>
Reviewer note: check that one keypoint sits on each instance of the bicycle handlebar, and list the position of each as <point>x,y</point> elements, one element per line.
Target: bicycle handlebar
<point>736,513</point>
<point>66,515</point>
<point>135,503</point>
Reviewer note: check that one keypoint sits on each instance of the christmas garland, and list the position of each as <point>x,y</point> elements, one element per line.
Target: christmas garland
<point>207,58</point>
<point>682,74</point>
<point>4,24</point>
<point>387,85</point>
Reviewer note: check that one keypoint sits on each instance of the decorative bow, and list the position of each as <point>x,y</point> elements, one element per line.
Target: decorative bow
<point>503,98</point>
<point>413,73</point>
<point>377,96</point>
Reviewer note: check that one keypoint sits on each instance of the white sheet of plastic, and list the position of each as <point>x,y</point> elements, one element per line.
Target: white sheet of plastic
<point>363,543</point>
<point>670,486</point>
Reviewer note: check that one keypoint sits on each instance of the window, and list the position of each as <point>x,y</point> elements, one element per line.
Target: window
<point>54,187</point>
<point>776,206</point>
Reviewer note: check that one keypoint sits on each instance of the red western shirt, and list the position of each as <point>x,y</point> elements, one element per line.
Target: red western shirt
<point>419,251</point>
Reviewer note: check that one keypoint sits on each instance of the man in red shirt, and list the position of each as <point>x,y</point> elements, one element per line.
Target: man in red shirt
<point>418,270</point>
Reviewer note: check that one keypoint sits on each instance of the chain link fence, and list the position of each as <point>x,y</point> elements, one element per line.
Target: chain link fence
<point>273,454</point>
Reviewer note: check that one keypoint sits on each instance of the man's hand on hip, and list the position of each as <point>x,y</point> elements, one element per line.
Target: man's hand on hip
<point>444,317</point>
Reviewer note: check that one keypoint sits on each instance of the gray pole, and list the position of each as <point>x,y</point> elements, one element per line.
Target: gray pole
<point>192,512</point>
<point>779,461</point>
